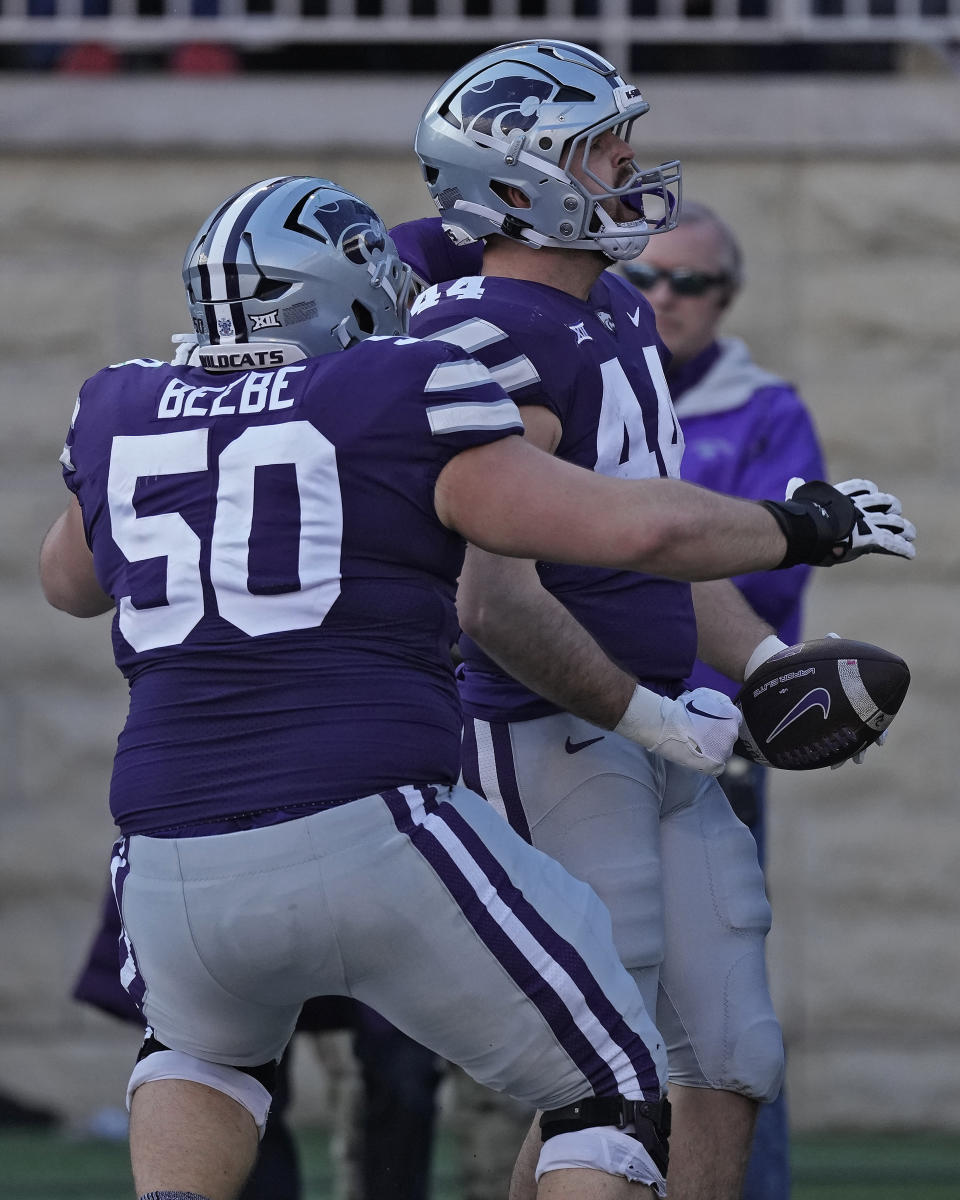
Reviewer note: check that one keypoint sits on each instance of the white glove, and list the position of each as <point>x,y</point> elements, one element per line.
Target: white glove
<point>696,730</point>
<point>185,343</point>
<point>879,527</point>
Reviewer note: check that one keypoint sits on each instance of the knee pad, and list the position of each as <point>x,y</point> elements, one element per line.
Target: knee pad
<point>610,1134</point>
<point>156,1061</point>
<point>756,1061</point>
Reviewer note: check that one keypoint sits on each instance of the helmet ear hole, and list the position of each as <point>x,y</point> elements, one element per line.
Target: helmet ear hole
<point>509,194</point>
<point>270,289</point>
<point>364,317</point>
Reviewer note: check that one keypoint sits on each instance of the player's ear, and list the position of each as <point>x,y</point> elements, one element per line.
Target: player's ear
<point>511,195</point>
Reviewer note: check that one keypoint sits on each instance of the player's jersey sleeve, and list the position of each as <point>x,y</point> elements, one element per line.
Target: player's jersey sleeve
<point>518,342</point>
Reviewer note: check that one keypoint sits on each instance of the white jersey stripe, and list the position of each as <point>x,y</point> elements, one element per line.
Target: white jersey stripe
<point>452,376</point>
<point>517,373</point>
<point>455,418</point>
<point>542,962</point>
<point>469,335</point>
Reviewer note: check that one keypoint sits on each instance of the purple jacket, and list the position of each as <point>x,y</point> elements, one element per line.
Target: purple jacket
<point>747,432</point>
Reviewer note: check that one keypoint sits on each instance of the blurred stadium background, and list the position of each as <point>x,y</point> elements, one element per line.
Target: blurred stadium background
<point>828,133</point>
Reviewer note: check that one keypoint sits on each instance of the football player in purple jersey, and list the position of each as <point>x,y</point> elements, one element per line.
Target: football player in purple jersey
<point>527,147</point>
<point>279,526</point>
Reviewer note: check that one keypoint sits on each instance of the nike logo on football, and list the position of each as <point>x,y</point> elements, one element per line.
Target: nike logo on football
<point>576,747</point>
<point>635,317</point>
<point>692,708</point>
<point>817,698</point>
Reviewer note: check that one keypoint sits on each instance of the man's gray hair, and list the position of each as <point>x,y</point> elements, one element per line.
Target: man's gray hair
<point>692,212</point>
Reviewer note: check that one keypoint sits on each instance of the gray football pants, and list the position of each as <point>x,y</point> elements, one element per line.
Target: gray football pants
<point>420,902</point>
<point>662,848</point>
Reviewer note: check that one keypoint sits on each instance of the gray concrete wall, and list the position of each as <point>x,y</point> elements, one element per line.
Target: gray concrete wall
<point>846,198</point>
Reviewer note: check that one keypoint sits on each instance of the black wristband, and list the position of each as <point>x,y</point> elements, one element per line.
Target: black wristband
<point>816,519</point>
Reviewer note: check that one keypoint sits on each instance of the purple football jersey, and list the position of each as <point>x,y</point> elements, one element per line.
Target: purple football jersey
<point>284,589</point>
<point>598,365</point>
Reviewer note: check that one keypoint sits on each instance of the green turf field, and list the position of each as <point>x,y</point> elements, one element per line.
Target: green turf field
<point>854,1167</point>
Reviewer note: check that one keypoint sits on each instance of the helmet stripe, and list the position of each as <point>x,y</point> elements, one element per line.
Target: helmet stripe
<point>220,280</point>
<point>219,273</point>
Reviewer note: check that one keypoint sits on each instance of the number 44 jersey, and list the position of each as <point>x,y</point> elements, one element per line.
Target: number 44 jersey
<point>598,366</point>
<point>284,590</point>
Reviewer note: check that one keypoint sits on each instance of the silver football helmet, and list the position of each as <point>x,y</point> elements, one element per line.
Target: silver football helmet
<point>522,116</point>
<point>295,266</point>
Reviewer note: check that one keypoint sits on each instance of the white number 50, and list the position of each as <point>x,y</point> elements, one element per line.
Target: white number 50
<point>167,535</point>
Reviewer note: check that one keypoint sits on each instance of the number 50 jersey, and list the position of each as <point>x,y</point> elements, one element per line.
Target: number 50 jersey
<point>284,589</point>
<point>598,366</point>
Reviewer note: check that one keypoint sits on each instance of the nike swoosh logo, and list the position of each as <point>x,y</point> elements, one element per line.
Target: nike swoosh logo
<point>635,317</point>
<point>691,707</point>
<point>576,747</point>
<point>817,698</point>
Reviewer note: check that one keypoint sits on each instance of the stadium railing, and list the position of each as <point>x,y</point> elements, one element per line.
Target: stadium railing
<point>610,25</point>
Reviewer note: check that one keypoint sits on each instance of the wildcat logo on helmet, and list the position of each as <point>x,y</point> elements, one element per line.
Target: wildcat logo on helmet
<point>499,106</point>
<point>265,320</point>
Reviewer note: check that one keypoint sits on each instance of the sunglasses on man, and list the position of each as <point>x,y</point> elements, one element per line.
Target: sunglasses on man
<point>681,281</point>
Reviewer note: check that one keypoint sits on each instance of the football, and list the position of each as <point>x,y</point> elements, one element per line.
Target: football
<point>819,703</point>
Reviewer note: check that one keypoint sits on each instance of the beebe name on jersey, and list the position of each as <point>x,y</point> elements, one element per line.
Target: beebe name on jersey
<point>251,392</point>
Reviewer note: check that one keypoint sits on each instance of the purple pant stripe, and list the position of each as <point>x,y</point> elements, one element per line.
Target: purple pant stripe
<point>119,870</point>
<point>507,778</point>
<point>470,767</point>
<point>564,953</point>
<point>550,1004</point>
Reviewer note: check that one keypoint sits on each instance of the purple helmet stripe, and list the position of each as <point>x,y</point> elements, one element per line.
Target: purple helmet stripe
<point>222,246</point>
<point>611,1056</point>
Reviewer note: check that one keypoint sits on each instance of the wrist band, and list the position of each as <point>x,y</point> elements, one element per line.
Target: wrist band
<point>770,646</point>
<point>642,720</point>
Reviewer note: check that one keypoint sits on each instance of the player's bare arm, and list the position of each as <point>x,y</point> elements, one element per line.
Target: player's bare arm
<point>728,628</point>
<point>511,498</point>
<point>66,568</point>
<point>503,606</point>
